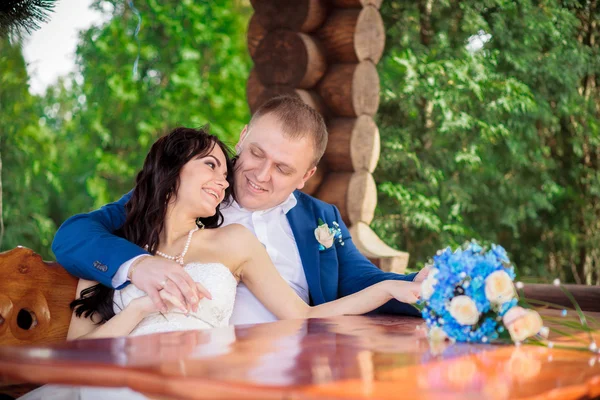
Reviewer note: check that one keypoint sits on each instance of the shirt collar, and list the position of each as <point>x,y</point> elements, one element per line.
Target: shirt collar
<point>286,206</point>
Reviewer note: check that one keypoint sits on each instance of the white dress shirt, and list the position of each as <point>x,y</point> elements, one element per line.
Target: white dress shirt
<point>273,230</point>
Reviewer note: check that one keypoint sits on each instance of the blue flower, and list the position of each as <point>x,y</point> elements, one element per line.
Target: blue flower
<point>464,272</point>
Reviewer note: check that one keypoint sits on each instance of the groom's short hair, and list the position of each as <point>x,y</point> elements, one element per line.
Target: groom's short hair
<point>298,120</point>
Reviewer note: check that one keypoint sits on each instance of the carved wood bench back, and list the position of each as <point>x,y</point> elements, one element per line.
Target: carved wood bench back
<point>34,299</point>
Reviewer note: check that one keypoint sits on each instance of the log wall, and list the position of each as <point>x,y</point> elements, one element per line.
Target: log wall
<point>325,52</point>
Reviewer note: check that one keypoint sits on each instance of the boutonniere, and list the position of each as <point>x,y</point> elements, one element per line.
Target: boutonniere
<point>326,235</point>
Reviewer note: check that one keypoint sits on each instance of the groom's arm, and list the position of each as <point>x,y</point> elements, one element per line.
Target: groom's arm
<point>86,246</point>
<point>356,272</point>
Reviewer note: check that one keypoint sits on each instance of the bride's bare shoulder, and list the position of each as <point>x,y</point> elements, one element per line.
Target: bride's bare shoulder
<point>233,232</point>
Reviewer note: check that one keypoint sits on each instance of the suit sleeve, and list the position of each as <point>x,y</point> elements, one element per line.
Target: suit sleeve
<point>356,272</point>
<point>86,246</point>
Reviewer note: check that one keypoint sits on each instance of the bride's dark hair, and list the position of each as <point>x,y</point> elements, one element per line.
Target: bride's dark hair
<point>155,185</point>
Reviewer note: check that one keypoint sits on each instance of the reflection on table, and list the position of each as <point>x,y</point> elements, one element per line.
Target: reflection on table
<point>344,357</point>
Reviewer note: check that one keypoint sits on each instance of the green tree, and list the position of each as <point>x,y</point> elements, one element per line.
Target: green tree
<point>94,128</point>
<point>192,69</point>
<point>498,143</point>
<point>27,160</point>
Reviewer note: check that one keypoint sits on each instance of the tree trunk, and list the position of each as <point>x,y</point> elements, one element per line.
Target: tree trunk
<point>354,144</point>
<point>350,90</point>
<point>425,8</point>
<point>353,35</point>
<point>289,58</point>
<point>297,15</point>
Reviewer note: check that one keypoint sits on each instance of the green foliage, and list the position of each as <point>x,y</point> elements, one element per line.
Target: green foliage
<point>28,159</point>
<point>95,127</point>
<point>192,71</point>
<point>500,144</point>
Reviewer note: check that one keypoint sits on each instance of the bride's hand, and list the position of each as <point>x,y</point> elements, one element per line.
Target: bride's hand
<point>404,291</point>
<point>146,306</point>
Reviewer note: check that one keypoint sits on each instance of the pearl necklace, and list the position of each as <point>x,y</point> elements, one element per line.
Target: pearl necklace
<point>179,258</point>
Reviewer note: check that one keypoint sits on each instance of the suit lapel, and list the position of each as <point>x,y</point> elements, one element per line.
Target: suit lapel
<point>301,221</point>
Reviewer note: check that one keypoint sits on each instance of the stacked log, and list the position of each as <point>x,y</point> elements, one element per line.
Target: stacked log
<point>325,52</point>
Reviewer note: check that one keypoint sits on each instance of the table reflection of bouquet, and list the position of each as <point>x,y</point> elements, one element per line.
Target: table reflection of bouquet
<point>483,374</point>
<point>470,296</point>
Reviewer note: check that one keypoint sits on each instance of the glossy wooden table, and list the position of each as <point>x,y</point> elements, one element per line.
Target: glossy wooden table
<point>343,357</point>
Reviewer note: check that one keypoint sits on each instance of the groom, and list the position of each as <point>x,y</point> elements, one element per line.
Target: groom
<point>278,152</point>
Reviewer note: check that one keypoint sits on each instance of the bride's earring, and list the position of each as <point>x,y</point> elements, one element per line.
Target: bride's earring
<point>199,223</point>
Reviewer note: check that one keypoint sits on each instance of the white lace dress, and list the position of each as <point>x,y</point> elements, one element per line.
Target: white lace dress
<point>211,314</point>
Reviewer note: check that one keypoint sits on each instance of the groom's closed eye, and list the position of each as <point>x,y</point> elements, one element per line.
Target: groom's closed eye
<point>256,153</point>
<point>284,170</point>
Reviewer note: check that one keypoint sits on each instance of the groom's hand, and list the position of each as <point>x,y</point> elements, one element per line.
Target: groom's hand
<point>154,274</point>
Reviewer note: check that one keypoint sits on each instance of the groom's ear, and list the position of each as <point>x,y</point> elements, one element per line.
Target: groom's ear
<point>243,135</point>
<point>306,177</point>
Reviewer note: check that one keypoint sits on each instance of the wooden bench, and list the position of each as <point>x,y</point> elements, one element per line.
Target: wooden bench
<point>34,299</point>
<point>34,305</point>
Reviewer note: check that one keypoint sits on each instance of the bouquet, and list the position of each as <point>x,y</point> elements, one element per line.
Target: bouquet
<point>470,296</point>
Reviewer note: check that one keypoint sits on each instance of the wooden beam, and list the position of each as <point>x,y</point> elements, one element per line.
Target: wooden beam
<point>369,244</point>
<point>354,194</point>
<point>353,35</point>
<point>257,94</point>
<point>356,3</point>
<point>350,90</point>
<point>289,58</point>
<point>354,144</point>
<point>297,15</point>
<point>256,33</point>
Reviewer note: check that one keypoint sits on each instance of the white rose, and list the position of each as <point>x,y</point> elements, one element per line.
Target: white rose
<point>323,236</point>
<point>464,310</point>
<point>522,323</point>
<point>428,285</point>
<point>499,288</point>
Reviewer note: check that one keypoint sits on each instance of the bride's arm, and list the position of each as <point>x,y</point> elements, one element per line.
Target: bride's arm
<point>258,273</point>
<point>120,325</point>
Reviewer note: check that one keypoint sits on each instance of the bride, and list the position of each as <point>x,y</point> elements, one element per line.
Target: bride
<point>174,213</point>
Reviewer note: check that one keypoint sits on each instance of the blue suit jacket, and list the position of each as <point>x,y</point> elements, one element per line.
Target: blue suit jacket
<point>86,247</point>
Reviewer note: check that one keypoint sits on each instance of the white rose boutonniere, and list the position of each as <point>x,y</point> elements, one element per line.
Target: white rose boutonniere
<point>326,235</point>
<point>323,236</point>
